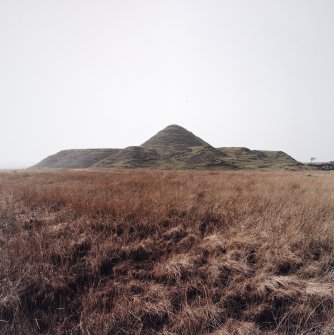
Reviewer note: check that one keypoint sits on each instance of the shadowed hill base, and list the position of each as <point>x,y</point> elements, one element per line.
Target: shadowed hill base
<point>172,148</point>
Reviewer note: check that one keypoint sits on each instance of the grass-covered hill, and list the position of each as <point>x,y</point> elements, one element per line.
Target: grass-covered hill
<point>172,148</point>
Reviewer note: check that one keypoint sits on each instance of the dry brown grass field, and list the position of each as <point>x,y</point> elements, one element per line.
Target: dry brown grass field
<point>166,252</point>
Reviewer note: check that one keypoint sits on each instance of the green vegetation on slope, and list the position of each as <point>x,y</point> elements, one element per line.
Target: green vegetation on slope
<point>174,136</point>
<point>76,158</point>
<point>172,148</point>
<point>246,158</point>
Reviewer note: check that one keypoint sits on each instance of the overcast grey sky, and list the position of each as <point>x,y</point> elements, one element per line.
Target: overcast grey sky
<point>85,74</point>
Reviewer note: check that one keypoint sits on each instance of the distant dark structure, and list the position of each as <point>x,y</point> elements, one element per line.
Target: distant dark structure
<point>323,166</point>
<point>327,166</point>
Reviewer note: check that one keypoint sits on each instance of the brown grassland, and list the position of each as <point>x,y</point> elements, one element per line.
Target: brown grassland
<point>166,252</point>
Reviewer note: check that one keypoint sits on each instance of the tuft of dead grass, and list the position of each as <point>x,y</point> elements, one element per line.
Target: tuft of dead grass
<point>166,252</point>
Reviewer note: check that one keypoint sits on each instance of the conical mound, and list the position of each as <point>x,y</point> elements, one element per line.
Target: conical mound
<point>171,148</point>
<point>174,136</point>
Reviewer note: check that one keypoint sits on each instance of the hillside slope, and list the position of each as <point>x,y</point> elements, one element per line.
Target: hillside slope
<point>246,158</point>
<point>174,147</point>
<point>76,158</point>
<point>174,136</point>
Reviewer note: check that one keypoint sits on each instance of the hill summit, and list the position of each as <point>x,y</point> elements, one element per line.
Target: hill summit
<point>172,136</point>
<point>174,147</point>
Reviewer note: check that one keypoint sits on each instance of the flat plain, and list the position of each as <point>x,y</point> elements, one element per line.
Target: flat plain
<point>166,252</point>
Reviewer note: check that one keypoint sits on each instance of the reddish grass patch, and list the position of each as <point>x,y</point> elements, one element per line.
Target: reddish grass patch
<point>166,252</point>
